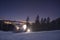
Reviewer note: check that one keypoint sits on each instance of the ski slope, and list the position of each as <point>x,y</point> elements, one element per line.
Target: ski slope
<point>43,35</point>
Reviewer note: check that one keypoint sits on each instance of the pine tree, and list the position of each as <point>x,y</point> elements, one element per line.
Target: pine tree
<point>37,23</point>
<point>41,20</point>
<point>48,20</point>
<point>37,20</point>
<point>27,21</point>
<point>44,20</point>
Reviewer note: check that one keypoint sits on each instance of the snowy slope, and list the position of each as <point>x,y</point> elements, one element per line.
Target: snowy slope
<point>45,35</point>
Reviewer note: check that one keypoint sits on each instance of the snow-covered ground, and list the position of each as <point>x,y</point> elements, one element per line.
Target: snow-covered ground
<point>44,35</point>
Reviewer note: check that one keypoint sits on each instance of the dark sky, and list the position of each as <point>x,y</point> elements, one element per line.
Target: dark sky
<point>20,9</point>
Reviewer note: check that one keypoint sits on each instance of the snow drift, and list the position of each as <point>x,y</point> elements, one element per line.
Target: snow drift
<point>44,35</point>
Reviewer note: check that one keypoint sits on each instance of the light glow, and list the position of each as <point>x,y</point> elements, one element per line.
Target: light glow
<point>7,22</point>
<point>28,30</point>
<point>17,27</point>
<point>24,27</point>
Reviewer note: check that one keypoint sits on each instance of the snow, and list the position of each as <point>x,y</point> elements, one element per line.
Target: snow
<point>43,35</point>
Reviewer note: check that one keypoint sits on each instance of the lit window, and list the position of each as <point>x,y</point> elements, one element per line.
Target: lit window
<point>7,22</point>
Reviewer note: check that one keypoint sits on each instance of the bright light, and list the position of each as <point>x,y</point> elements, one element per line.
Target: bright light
<point>28,30</point>
<point>7,22</point>
<point>17,27</point>
<point>24,27</point>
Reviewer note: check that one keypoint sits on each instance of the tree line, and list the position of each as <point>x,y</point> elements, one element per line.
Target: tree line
<point>39,25</point>
<point>45,24</point>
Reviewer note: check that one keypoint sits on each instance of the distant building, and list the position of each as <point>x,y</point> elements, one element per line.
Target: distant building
<point>17,24</point>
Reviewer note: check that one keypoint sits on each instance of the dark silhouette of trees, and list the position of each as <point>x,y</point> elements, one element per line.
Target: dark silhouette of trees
<point>37,20</point>
<point>55,24</point>
<point>42,20</point>
<point>27,21</point>
<point>48,20</point>
<point>45,24</point>
<point>36,25</point>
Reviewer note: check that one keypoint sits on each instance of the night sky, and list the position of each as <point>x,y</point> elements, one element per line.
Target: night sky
<point>20,9</point>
